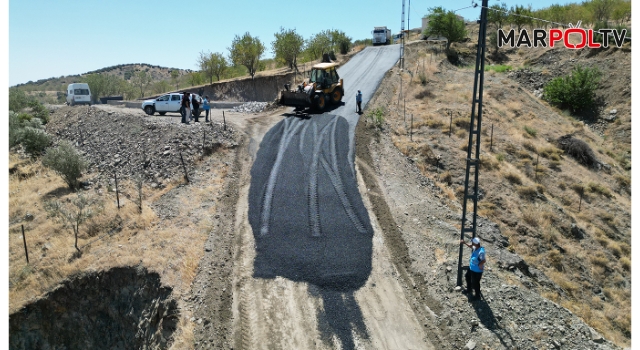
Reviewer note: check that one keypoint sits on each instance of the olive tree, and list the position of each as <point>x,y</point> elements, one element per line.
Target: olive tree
<point>287,46</point>
<point>446,24</point>
<point>212,65</point>
<point>246,51</point>
<point>66,161</point>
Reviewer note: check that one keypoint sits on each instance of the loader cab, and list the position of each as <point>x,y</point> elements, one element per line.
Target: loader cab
<point>324,74</point>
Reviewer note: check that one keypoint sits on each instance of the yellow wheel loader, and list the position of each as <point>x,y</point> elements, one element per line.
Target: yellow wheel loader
<point>324,87</point>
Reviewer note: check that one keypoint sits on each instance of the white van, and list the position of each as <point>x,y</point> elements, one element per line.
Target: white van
<point>78,93</point>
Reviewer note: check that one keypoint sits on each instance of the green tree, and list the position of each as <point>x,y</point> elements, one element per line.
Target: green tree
<point>621,12</point>
<point>318,45</point>
<point>141,81</point>
<point>340,42</point>
<point>497,15</point>
<point>66,161</point>
<point>287,46</point>
<point>520,16</point>
<point>246,51</point>
<point>601,9</point>
<point>446,24</point>
<point>194,78</point>
<point>212,65</point>
<point>576,91</point>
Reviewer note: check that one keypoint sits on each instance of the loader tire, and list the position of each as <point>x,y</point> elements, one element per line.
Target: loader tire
<point>320,102</point>
<point>336,96</point>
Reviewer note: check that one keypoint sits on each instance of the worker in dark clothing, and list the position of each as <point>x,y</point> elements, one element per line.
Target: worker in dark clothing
<point>476,267</point>
<point>359,102</point>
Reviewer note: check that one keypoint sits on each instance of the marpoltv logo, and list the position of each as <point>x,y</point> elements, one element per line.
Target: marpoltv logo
<point>557,37</point>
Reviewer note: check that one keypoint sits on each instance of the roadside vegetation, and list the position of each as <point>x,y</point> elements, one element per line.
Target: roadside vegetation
<point>558,189</point>
<point>244,57</point>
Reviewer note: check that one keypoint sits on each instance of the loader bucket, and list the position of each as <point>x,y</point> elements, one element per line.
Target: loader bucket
<point>295,99</point>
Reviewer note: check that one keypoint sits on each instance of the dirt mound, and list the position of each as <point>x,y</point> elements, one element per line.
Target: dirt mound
<point>133,145</point>
<point>123,308</point>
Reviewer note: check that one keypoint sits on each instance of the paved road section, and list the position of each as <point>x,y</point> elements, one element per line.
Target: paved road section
<point>309,224</point>
<point>363,72</point>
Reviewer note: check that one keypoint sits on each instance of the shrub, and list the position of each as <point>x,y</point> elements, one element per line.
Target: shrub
<point>527,191</point>
<point>424,93</point>
<point>576,91</point>
<point>34,140</point>
<point>462,123</point>
<point>531,131</point>
<point>423,78</point>
<point>66,162</point>
<point>14,129</point>
<point>17,100</point>
<point>38,110</point>
<point>513,178</point>
<point>376,117</point>
<point>498,68</point>
<point>578,149</point>
<point>500,157</point>
<point>598,188</point>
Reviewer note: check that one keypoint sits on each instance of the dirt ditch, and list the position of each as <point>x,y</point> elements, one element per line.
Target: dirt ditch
<point>122,308</point>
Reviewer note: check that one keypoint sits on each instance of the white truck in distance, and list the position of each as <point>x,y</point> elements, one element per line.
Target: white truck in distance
<point>381,36</point>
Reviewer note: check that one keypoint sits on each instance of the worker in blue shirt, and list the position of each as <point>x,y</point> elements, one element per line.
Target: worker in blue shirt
<point>476,267</point>
<point>359,101</point>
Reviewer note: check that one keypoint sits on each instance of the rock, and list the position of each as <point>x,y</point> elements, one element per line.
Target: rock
<point>611,117</point>
<point>613,111</point>
<point>470,345</point>
<point>577,232</point>
<point>28,217</point>
<point>474,323</point>
<point>595,336</point>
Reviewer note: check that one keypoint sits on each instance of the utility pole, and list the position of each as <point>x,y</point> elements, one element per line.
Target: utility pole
<point>401,62</point>
<point>473,157</point>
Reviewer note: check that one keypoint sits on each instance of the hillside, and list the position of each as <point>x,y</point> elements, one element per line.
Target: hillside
<point>529,188</point>
<point>123,71</point>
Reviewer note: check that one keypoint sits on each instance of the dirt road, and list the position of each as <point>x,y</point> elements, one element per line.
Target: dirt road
<point>310,265</point>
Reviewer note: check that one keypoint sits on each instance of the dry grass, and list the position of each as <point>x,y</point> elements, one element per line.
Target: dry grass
<point>172,248</point>
<point>523,129</point>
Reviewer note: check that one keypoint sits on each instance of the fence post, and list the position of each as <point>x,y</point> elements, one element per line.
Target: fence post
<point>224,121</point>
<point>450,123</point>
<point>24,239</point>
<point>184,168</point>
<point>537,162</point>
<point>411,130</point>
<point>491,146</point>
<point>115,175</point>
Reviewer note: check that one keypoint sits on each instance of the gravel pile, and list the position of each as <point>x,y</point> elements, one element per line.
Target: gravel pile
<point>250,107</point>
<point>132,145</point>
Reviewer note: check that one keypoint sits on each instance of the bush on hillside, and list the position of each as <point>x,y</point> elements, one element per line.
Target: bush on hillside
<point>66,161</point>
<point>579,150</point>
<point>576,91</point>
<point>34,140</point>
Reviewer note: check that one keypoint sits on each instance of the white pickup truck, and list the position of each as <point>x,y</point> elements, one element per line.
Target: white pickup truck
<point>168,103</point>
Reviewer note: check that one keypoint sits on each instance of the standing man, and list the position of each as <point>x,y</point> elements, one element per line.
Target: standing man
<point>186,106</point>
<point>359,101</point>
<point>206,107</point>
<point>194,107</point>
<point>476,267</point>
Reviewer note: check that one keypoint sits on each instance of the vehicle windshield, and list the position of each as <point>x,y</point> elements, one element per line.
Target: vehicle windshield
<point>81,91</point>
<point>378,31</point>
<point>317,76</point>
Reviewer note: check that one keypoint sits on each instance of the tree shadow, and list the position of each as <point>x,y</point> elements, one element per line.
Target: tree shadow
<point>490,322</point>
<point>58,192</point>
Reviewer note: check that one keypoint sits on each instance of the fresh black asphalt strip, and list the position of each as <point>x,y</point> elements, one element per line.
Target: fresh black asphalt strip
<point>307,216</point>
